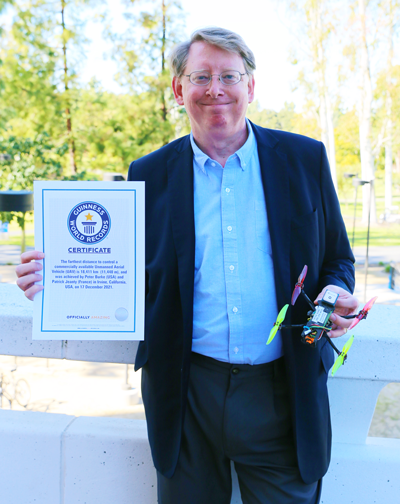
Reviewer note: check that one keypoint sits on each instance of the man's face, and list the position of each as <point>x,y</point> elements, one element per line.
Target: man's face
<point>215,108</point>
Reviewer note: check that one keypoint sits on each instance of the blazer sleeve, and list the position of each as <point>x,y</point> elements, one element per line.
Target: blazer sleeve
<point>338,263</point>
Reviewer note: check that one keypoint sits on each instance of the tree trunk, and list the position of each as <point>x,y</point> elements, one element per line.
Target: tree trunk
<point>331,137</point>
<point>365,126</point>
<point>324,111</point>
<point>388,164</point>
<point>397,161</point>
<point>163,104</point>
<point>389,126</point>
<point>71,141</point>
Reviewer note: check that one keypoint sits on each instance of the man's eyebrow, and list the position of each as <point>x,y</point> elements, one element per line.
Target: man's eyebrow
<point>226,70</point>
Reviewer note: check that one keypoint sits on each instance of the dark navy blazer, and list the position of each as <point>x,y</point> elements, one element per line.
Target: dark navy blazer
<point>306,227</point>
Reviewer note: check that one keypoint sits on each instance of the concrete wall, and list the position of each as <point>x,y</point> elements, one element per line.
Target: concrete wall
<point>58,459</point>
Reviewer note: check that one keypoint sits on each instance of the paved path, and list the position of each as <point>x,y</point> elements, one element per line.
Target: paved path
<point>10,254</point>
<point>377,254</point>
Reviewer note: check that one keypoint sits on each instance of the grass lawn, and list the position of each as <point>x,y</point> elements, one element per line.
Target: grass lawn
<point>380,235</point>
<point>16,240</point>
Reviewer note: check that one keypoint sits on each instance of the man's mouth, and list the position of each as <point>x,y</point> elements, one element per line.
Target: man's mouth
<point>215,104</point>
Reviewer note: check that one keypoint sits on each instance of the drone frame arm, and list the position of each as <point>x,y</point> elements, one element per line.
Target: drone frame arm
<point>312,305</point>
<point>331,343</point>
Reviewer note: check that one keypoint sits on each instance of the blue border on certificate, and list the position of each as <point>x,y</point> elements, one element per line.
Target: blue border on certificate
<point>44,269</point>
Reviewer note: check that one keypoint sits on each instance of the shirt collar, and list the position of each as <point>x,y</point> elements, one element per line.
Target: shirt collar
<point>244,153</point>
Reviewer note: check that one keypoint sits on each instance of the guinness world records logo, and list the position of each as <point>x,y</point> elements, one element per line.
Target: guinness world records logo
<point>89,222</point>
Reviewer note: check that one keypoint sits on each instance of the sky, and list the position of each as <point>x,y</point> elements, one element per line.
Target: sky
<point>257,22</point>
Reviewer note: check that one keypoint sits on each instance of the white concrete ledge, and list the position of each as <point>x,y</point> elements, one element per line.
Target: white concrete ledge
<point>59,459</point>
<point>367,474</point>
<point>16,336</point>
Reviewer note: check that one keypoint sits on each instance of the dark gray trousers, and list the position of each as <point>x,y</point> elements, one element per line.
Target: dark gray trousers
<point>239,413</point>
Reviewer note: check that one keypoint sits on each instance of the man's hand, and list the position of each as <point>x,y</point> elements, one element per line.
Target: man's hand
<point>346,304</point>
<point>27,273</point>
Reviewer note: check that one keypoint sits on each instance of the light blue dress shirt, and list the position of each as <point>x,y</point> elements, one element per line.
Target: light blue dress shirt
<point>234,304</point>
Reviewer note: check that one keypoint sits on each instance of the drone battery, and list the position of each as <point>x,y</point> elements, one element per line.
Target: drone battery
<point>321,315</point>
<point>325,307</point>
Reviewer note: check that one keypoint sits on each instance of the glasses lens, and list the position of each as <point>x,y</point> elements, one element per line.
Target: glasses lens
<point>230,77</point>
<point>200,78</point>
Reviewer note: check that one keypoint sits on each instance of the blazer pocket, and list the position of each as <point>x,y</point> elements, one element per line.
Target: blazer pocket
<point>304,220</point>
<point>304,239</point>
<point>262,232</point>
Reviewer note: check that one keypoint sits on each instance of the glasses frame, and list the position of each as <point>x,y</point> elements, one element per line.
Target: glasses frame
<point>213,75</point>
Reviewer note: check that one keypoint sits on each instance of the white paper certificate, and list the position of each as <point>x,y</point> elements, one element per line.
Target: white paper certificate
<point>92,235</point>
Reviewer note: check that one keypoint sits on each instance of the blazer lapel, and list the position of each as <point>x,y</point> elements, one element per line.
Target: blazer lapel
<point>275,177</point>
<point>180,191</point>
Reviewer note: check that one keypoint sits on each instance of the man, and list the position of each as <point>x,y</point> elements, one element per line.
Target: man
<point>233,213</point>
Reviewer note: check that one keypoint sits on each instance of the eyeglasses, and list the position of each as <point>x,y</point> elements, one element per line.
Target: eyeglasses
<point>202,78</point>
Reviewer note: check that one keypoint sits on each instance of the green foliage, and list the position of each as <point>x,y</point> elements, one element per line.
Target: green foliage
<point>24,160</point>
<point>285,119</point>
<point>113,130</point>
<point>347,148</point>
<point>39,93</point>
<point>19,217</point>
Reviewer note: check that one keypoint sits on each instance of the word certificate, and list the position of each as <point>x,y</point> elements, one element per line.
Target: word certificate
<point>92,235</point>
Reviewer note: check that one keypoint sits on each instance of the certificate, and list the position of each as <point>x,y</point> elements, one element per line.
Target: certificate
<point>92,235</point>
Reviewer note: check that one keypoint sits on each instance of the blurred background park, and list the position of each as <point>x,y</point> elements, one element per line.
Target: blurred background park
<point>85,90</point>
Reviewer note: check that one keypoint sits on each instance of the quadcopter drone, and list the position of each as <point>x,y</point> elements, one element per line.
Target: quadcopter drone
<point>318,324</point>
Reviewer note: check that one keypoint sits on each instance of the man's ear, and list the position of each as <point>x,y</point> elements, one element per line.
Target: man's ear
<point>251,88</point>
<point>177,89</point>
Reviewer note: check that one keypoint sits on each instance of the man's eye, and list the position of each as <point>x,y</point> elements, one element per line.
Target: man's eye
<point>201,78</point>
<point>228,76</point>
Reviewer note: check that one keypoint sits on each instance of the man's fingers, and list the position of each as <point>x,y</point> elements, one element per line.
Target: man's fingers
<point>27,268</point>
<point>33,290</point>
<point>340,325</point>
<point>27,273</point>
<point>31,255</point>
<point>347,306</point>
<point>26,281</point>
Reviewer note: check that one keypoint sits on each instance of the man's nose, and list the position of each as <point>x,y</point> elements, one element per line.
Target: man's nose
<point>215,87</point>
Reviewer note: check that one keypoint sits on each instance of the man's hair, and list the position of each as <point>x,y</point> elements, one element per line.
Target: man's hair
<point>219,37</point>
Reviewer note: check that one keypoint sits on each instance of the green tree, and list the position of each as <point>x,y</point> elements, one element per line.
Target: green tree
<point>312,22</point>
<point>40,64</point>
<point>141,54</point>
<point>24,160</point>
<point>284,120</point>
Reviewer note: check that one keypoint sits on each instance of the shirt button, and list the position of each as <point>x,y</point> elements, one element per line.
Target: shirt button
<point>236,349</point>
<point>231,268</point>
<point>227,190</point>
<point>234,309</point>
<point>212,164</point>
<point>244,164</point>
<point>235,370</point>
<point>229,228</point>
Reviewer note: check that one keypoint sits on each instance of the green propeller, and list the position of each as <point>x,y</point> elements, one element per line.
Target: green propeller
<point>342,356</point>
<point>278,323</point>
